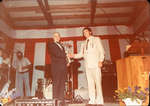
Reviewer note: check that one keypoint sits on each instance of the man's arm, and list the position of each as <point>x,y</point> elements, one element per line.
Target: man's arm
<point>101,52</point>
<point>28,66</point>
<point>79,55</point>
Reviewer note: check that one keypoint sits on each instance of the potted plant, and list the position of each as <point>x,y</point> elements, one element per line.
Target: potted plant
<point>132,96</point>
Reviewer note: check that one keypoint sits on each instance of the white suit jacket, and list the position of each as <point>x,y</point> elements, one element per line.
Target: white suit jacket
<point>93,54</point>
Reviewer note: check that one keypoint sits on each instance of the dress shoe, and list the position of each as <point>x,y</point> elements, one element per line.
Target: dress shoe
<point>99,102</point>
<point>92,102</point>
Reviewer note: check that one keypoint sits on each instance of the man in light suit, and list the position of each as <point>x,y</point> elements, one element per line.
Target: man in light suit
<point>93,53</point>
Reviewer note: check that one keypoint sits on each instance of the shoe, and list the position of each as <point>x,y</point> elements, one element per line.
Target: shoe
<point>99,102</point>
<point>91,102</point>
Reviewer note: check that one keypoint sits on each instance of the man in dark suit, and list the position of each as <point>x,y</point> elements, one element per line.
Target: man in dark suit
<point>58,66</point>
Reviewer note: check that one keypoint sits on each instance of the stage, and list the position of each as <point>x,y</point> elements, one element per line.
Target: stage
<point>52,102</point>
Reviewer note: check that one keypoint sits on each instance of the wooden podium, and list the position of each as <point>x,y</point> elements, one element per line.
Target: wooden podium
<point>132,71</point>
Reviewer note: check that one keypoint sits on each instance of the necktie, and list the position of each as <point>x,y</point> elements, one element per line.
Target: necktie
<point>59,44</point>
<point>87,44</point>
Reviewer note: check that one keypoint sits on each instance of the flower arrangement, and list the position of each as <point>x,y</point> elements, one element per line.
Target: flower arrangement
<point>134,94</point>
<point>4,100</point>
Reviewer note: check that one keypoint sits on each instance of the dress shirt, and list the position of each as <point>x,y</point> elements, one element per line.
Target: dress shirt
<point>60,45</point>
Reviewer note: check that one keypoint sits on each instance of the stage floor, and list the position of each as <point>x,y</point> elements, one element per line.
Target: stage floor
<point>74,104</point>
<point>45,102</point>
<point>83,104</point>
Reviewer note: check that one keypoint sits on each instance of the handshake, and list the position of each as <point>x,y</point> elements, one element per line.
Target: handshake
<point>70,55</point>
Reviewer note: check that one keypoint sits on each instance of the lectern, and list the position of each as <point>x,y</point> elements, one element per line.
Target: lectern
<point>132,71</point>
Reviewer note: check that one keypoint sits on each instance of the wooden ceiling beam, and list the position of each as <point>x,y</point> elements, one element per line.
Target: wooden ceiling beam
<point>60,17</point>
<point>79,6</point>
<point>5,37</point>
<point>52,7</point>
<point>6,20</point>
<point>66,26</point>
<point>70,6</point>
<point>102,5</point>
<point>70,10</point>
<point>142,27</point>
<point>116,15</point>
<point>137,11</point>
<point>97,24</point>
<point>36,18</point>
<point>121,4</point>
<point>38,10</point>
<point>22,9</point>
<point>47,7</point>
<point>46,14</point>
<point>7,17</point>
<point>112,15</point>
<point>93,10</point>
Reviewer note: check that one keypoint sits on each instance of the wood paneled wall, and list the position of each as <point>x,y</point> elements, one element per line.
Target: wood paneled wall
<point>113,44</point>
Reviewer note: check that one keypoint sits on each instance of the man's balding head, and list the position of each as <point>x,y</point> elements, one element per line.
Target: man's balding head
<point>56,37</point>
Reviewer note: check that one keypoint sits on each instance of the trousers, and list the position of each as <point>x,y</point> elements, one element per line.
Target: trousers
<point>22,79</point>
<point>94,85</point>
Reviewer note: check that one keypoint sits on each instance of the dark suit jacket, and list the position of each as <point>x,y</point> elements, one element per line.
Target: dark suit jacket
<point>58,61</point>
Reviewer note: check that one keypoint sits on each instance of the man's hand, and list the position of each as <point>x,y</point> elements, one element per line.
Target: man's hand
<point>70,55</point>
<point>68,64</point>
<point>100,64</point>
<point>27,67</point>
<point>24,67</point>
